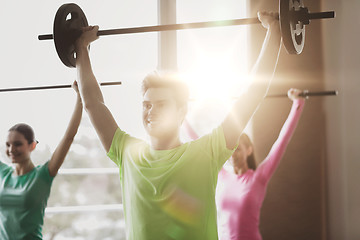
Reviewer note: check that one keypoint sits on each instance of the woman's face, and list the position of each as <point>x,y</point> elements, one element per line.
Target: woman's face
<point>239,157</point>
<point>17,147</point>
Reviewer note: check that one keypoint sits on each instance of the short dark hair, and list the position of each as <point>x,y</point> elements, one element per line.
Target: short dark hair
<point>167,80</point>
<point>251,162</point>
<point>25,130</point>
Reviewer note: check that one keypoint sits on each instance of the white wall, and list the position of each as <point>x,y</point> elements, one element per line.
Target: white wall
<point>342,70</point>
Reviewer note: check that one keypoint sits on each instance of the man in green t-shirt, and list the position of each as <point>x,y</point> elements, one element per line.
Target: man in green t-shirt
<point>168,186</point>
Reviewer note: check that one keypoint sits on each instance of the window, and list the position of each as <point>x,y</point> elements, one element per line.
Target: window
<point>85,200</point>
<point>213,60</point>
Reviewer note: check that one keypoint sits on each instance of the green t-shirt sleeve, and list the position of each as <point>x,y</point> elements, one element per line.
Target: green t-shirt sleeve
<point>224,153</point>
<point>218,151</point>
<point>3,167</point>
<point>44,172</point>
<point>117,146</point>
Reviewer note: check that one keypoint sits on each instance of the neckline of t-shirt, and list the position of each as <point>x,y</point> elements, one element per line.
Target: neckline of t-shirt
<point>165,150</point>
<point>19,176</point>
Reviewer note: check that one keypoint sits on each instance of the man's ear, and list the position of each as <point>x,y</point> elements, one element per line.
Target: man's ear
<point>183,111</point>
<point>249,151</point>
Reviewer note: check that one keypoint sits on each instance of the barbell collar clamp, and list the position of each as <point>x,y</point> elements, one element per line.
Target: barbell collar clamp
<point>304,16</point>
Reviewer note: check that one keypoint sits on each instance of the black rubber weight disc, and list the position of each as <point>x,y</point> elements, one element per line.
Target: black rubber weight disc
<point>292,31</point>
<point>69,20</point>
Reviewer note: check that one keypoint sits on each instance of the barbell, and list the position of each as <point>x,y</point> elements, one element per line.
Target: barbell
<point>307,93</point>
<point>51,87</point>
<point>304,94</point>
<point>70,19</point>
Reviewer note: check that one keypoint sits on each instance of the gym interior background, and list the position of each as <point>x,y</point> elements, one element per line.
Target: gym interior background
<point>313,194</point>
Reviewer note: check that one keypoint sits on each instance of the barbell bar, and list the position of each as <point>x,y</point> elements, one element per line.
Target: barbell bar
<point>304,94</point>
<point>307,93</point>
<point>51,87</point>
<point>168,27</point>
<point>194,25</point>
<point>70,19</point>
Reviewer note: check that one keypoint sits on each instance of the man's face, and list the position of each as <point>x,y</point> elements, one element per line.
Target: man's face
<point>161,115</point>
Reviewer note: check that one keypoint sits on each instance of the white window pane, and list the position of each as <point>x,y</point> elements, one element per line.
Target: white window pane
<point>213,60</point>
<point>26,61</point>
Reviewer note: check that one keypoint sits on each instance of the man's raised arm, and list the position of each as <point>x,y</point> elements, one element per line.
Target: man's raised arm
<point>262,72</point>
<point>92,97</point>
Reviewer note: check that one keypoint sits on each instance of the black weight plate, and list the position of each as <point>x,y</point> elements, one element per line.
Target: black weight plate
<point>69,20</point>
<point>292,31</point>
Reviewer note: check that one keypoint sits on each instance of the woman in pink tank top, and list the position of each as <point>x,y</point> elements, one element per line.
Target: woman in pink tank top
<point>240,193</point>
